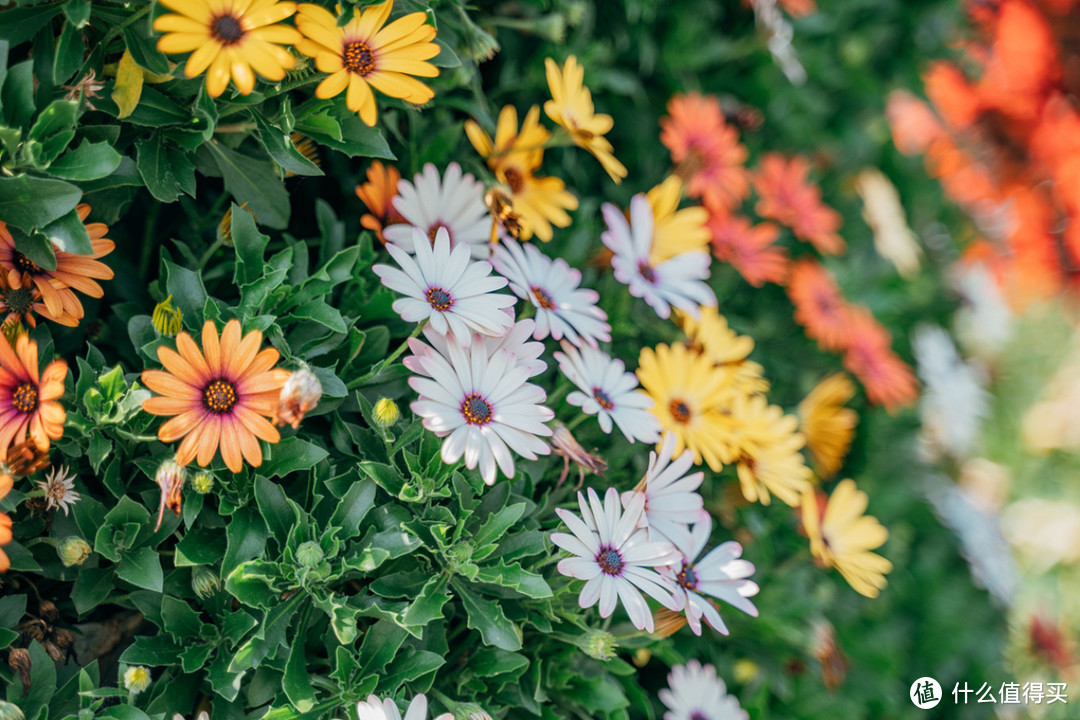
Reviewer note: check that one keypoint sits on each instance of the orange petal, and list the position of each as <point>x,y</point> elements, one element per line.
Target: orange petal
<point>211,349</point>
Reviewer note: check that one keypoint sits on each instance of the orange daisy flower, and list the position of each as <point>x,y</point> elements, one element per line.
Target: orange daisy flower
<point>787,197</point>
<point>73,272</point>
<point>888,380</point>
<point>799,8</point>
<point>221,396</point>
<point>913,124</point>
<point>6,481</point>
<point>706,150</point>
<point>378,194</point>
<point>820,307</point>
<point>750,249</point>
<point>28,401</point>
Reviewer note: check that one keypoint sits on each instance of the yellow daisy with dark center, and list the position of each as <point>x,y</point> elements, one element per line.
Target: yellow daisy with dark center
<point>365,52</point>
<point>230,39</point>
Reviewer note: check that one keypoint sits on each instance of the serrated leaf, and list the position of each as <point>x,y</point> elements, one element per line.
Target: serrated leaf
<point>89,161</point>
<point>31,202</point>
<point>487,617</point>
<point>254,182</point>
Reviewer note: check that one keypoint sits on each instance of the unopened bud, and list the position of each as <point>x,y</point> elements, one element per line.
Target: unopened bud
<point>20,662</point>
<point>73,550</point>
<point>170,477</point>
<point>598,644</point>
<point>745,671</point>
<point>136,679</point>
<point>10,711</point>
<point>299,396</point>
<point>167,320</point>
<point>470,711</point>
<point>224,231</point>
<point>309,554</point>
<point>386,412</point>
<point>203,482</point>
<point>641,657</point>
<point>204,582</point>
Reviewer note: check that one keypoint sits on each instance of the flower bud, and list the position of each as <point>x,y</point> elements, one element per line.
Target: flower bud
<point>641,657</point>
<point>204,582</point>
<point>386,412</point>
<point>470,711</point>
<point>299,396</point>
<point>10,711</point>
<point>224,231</point>
<point>73,550</point>
<point>167,320</point>
<point>203,482</point>
<point>745,671</point>
<point>170,477</point>
<point>309,554</point>
<point>598,644</point>
<point>136,679</point>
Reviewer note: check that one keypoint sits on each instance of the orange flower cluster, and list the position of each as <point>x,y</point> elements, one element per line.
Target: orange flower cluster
<point>378,194</point>
<point>1006,146</point>
<point>840,326</point>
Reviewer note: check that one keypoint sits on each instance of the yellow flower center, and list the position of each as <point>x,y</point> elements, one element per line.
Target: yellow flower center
<point>680,411</point>
<point>358,58</point>
<point>25,264</point>
<point>226,30</point>
<point>219,397</point>
<point>477,410</point>
<point>25,398</point>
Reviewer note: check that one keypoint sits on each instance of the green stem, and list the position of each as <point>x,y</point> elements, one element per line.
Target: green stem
<point>148,242</point>
<point>135,17</point>
<point>298,83</point>
<point>217,245</point>
<point>576,421</point>
<point>383,363</point>
<point>131,436</point>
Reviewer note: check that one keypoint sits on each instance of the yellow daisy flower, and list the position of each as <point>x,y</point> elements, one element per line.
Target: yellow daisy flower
<point>689,398</point>
<point>711,336</point>
<point>841,536</point>
<point>676,231</point>
<point>571,106</point>
<point>365,52</point>
<point>769,461</point>
<point>229,38</point>
<point>514,155</point>
<point>829,426</point>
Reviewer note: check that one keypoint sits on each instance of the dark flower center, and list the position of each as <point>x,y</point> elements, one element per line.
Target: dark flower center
<point>434,229</point>
<point>602,398</point>
<point>439,298</point>
<point>680,411</point>
<point>698,715</point>
<point>514,179</point>
<point>687,578</point>
<point>477,410</point>
<point>358,58</point>
<point>219,396</point>
<point>647,272</point>
<point>19,300</point>
<point>610,561</point>
<point>25,398</point>
<point>26,264</point>
<point>543,298</point>
<point>227,30</point>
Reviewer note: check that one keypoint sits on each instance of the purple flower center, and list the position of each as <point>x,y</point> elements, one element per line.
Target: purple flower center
<point>687,578</point>
<point>610,561</point>
<point>357,58</point>
<point>439,298</point>
<point>227,30</point>
<point>477,410</point>
<point>647,272</point>
<point>543,298</point>
<point>698,715</point>
<point>602,398</point>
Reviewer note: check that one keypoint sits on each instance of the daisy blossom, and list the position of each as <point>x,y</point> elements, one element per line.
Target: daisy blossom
<point>842,536</point>
<point>445,287</point>
<point>676,282</point>
<point>696,693</point>
<point>483,406</point>
<point>615,557</point>
<point>375,709</point>
<point>526,352</point>
<point>454,202</point>
<point>563,309</point>
<point>671,500</point>
<point>720,574</point>
<point>705,149</point>
<point>609,392</point>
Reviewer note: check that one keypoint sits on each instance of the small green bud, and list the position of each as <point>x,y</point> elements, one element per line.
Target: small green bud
<point>203,482</point>
<point>10,711</point>
<point>204,582</point>
<point>598,644</point>
<point>73,550</point>
<point>167,320</point>
<point>309,554</point>
<point>386,412</point>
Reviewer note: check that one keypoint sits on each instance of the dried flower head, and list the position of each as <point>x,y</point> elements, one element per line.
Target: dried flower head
<point>299,396</point>
<point>59,489</point>
<point>170,477</point>
<point>564,445</point>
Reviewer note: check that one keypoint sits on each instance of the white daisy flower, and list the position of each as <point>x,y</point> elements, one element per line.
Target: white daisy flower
<point>375,709</point>
<point>454,202</point>
<point>671,502</point>
<point>516,342</point>
<point>720,574</point>
<point>696,693</point>
<point>953,403</point>
<point>676,282</point>
<point>447,288</point>
<point>609,392</point>
<point>483,406</point>
<point>614,556</point>
<point>59,489</point>
<point>563,309</point>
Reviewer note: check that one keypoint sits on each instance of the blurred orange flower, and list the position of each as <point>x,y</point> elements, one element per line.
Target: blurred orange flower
<point>378,194</point>
<point>706,150</point>
<point>888,380</point>
<point>787,197</point>
<point>750,249</point>
<point>820,307</point>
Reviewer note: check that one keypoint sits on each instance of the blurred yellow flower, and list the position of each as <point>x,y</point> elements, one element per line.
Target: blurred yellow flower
<point>711,336</point>
<point>676,231</point>
<point>229,38</point>
<point>365,52</point>
<point>841,536</point>
<point>514,155</point>
<point>769,461</point>
<point>829,426</point>
<point>571,106</point>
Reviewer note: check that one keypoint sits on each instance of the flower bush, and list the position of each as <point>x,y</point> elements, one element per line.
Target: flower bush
<point>387,394</point>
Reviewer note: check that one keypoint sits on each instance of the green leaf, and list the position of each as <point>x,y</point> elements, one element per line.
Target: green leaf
<point>200,546</point>
<point>353,507</point>
<point>295,682</point>
<point>268,636</point>
<point>180,620</point>
<point>498,523</point>
<point>246,536</point>
<point>77,12</point>
<point>142,568</point>
<point>143,50</point>
<point>355,138</point>
<point>30,202</point>
<point>20,24</point>
<point>319,312</point>
<point>280,147</point>
<point>153,650</point>
<point>380,645</point>
<point>250,246</point>
<point>17,95</point>
<point>70,49</point>
<point>54,129</point>
<point>35,246</point>
<point>12,609</point>
<point>279,514</point>
<point>487,617</point>
<point>513,576</point>
<point>429,602</point>
<point>290,455</point>
<point>410,666</point>
<point>165,169</point>
<point>68,233</point>
<point>42,683</point>
<point>188,293</point>
<point>89,161</point>
<point>254,182</point>
<point>91,588</point>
